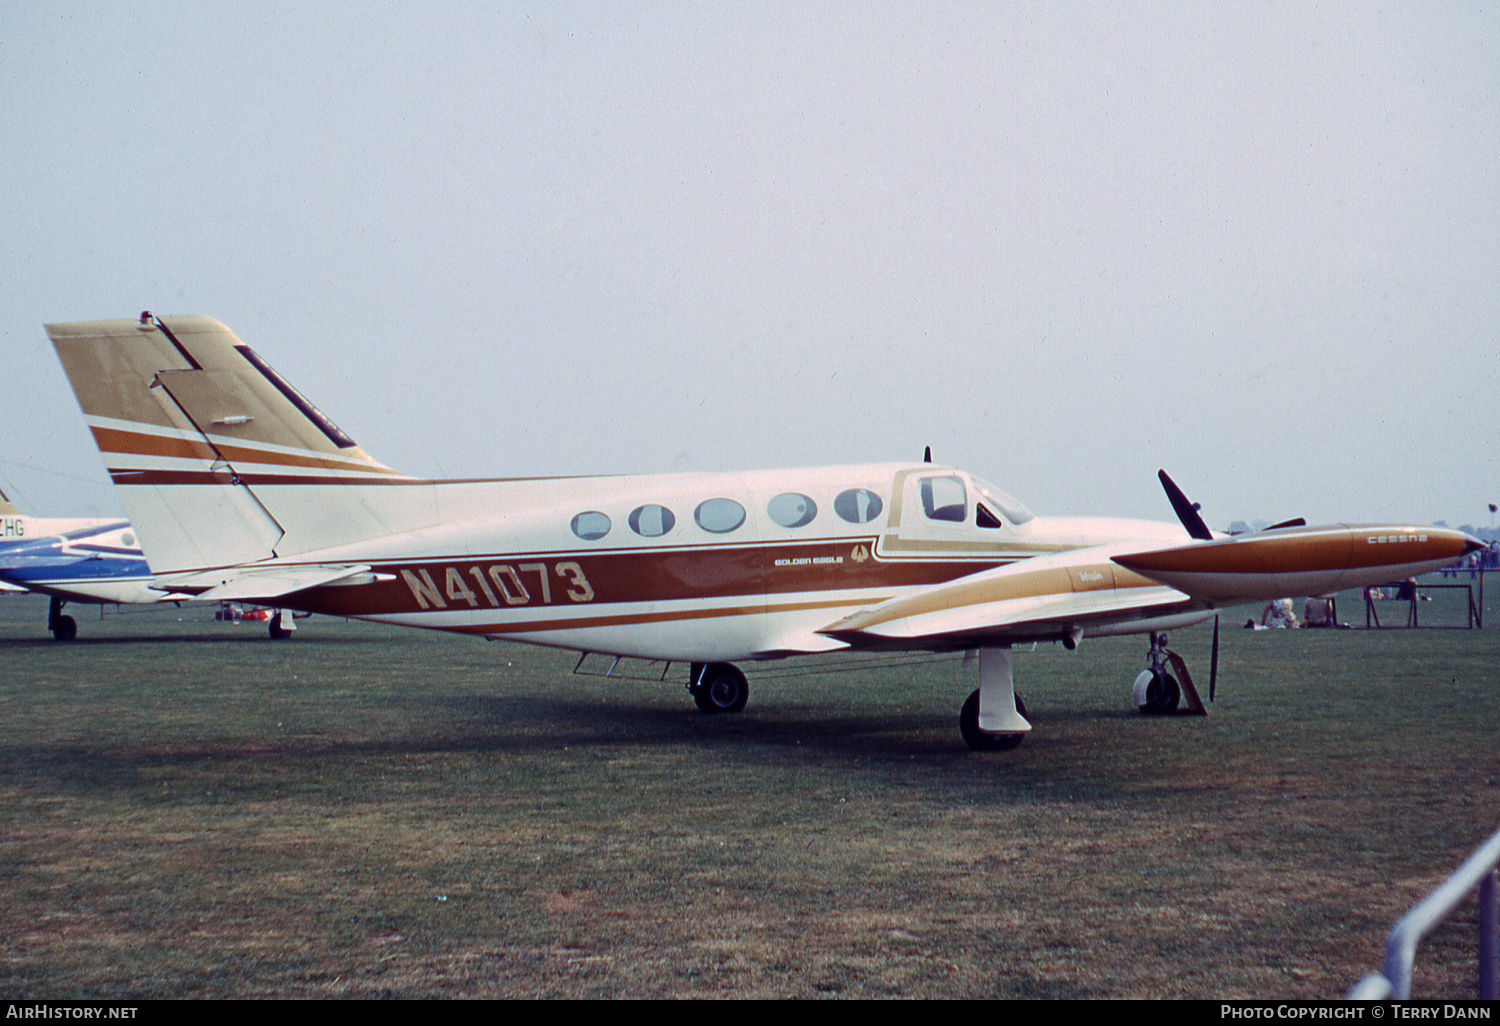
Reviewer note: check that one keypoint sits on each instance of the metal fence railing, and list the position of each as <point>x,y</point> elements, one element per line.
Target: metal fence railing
<point>1401,950</point>
<point>1407,594</point>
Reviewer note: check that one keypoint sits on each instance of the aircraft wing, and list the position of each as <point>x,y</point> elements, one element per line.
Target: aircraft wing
<point>1119,589</point>
<point>259,583</point>
<point>1046,598</point>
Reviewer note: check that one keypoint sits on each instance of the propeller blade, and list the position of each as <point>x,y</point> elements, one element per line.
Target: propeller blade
<point>1186,511</point>
<point>1213,666</point>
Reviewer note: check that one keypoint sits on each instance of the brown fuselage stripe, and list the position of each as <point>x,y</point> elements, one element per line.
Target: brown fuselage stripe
<point>745,575</point>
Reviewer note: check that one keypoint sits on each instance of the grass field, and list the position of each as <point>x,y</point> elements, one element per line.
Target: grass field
<point>191,810</point>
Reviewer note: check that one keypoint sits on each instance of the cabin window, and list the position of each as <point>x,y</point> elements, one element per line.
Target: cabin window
<point>591,526</point>
<point>792,509</point>
<point>944,498</point>
<point>858,505</point>
<point>652,521</point>
<point>719,516</point>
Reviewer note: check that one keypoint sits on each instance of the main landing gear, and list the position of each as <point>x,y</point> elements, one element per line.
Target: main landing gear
<point>281,624</point>
<point>63,628</point>
<point>994,717</point>
<point>718,687</point>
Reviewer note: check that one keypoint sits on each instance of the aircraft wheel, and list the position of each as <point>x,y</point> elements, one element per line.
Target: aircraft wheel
<point>277,631</point>
<point>724,689</point>
<point>1156,694</point>
<point>64,628</point>
<point>983,740</point>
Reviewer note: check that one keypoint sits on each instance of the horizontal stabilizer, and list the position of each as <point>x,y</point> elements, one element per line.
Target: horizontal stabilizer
<point>259,584</point>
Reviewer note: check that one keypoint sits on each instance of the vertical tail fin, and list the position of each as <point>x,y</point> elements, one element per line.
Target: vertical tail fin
<point>217,459</point>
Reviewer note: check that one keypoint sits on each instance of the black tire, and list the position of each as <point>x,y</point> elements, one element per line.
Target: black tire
<point>722,688</point>
<point>64,628</point>
<point>278,632</point>
<point>1162,695</point>
<point>984,740</point>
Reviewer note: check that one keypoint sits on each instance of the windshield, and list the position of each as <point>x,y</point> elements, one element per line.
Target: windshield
<point>1008,505</point>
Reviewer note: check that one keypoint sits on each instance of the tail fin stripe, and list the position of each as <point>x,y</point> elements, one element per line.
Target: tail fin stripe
<point>116,442</point>
<point>113,442</point>
<point>215,477</point>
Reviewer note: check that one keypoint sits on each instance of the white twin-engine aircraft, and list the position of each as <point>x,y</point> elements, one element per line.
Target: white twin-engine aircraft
<point>240,489</point>
<point>75,560</point>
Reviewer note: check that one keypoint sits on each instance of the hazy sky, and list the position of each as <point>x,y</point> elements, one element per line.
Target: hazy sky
<point>1064,244</point>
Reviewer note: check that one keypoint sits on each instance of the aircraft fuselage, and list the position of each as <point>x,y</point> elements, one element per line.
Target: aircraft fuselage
<point>695,567</point>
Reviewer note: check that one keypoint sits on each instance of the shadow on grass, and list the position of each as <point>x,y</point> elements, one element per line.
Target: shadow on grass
<point>483,736</point>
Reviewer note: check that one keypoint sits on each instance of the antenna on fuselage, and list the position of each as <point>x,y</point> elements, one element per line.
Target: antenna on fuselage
<point>927,455</point>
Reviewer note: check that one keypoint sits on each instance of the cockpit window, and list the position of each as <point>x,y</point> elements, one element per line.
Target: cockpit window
<point>984,518</point>
<point>1008,506</point>
<point>858,505</point>
<point>944,498</point>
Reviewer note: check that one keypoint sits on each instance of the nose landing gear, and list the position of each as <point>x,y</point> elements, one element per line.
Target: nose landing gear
<point>1156,692</point>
